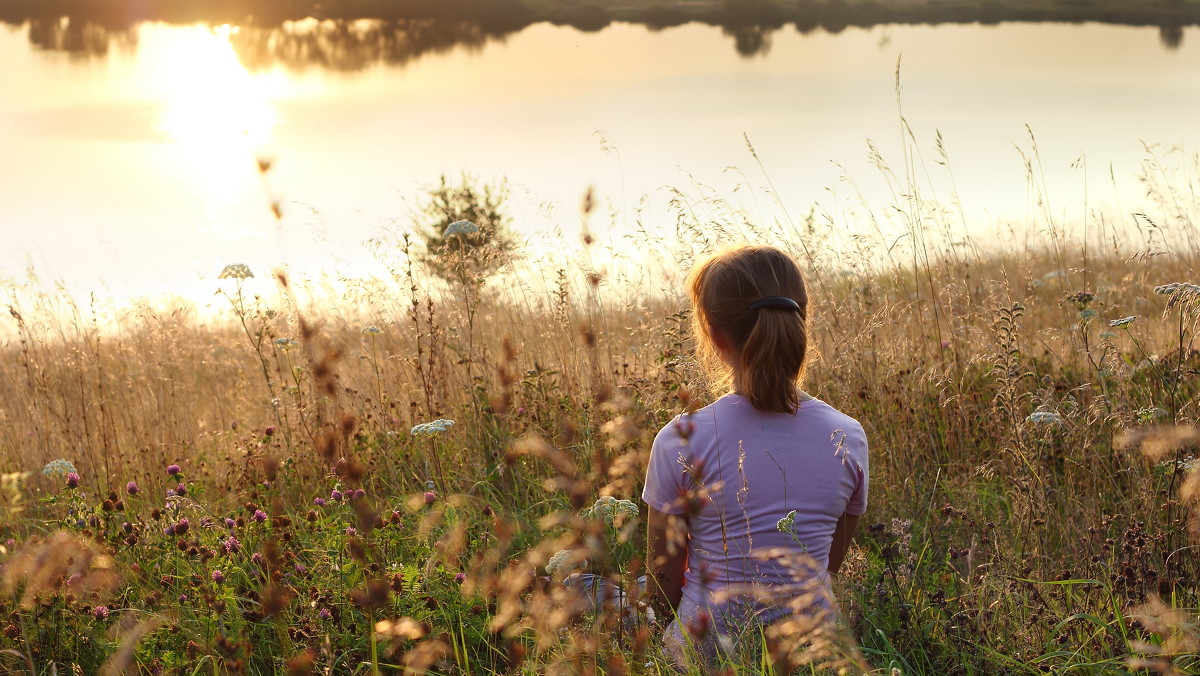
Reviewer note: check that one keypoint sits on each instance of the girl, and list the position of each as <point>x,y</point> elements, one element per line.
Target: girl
<point>743,491</point>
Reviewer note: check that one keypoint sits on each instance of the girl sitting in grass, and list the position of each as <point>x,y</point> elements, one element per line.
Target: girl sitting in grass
<point>754,498</point>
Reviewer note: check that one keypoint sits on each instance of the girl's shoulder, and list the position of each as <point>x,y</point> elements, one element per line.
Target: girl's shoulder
<point>816,408</point>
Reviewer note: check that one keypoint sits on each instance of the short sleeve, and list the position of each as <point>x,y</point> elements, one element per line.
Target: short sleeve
<point>859,465</point>
<point>665,480</point>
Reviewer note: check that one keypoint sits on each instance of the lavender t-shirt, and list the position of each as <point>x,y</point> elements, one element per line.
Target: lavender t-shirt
<point>752,468</point>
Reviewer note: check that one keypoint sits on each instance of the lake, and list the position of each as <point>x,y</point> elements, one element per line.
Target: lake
<point>130,154</point>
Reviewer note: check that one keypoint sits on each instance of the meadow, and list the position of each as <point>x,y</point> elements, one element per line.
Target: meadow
<point>279,488</point>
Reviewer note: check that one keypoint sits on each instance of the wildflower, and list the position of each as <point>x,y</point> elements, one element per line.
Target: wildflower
<point>270,431</point>
<point>181,489</point>
<point>235,271</point>
<point>100,612</point>
<point>564,561</point>
<point>371,331</point>
<point>300,568</point>
<point>132,488</point>
<point>259,515</point>
<point>72,480</point>
<point>431,428</point>
<point>460,578</point>
<point>1080,299</point>
<point>173,470</point>
<point>1123,321</point>
<point>320,502</point>
<point>285,344</point>
<point>181,526</point>
<point>1088,315</point>
<point>786,524</point>
<point>351,530</point>
<point>218,576</point>
<point>232,545</point>
<point>257,558</point>
<point>58,468</point>
<point>358,494</point>
<point>336,495</point>
<point>460,228</point>
<point>611,510</point>
<point>1042,417</point>
<point>230,523</point>
<point>430,497</point>
<point>1107,335</point>
<point>324,614</point>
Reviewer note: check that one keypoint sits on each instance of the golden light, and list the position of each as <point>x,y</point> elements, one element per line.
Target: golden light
<point>214,109</point>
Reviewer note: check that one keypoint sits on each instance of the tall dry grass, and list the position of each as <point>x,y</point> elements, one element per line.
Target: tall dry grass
<point>1017,522</point>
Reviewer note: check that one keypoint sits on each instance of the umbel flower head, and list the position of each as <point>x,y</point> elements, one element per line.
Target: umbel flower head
<point>1175,287</point>
<point>1044,417</point>
<point>787,523</point>
<point>431,428</point>
<point>564,562</point>
<point>60,467</point>
<point>461,228</point>
<point>235,271</point>
<point>1123,321</point>
<point>612,511</point>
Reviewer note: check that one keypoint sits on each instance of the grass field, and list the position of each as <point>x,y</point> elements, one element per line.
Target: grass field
<point>248,494</point>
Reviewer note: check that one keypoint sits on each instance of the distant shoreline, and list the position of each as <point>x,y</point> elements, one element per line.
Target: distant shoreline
<point>409,28</point>
<point>832,15</point>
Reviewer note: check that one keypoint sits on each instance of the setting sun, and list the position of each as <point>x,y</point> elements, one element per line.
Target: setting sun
<point>216,110</point>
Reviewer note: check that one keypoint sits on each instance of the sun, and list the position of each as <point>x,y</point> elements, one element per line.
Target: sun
<point>218,113</point>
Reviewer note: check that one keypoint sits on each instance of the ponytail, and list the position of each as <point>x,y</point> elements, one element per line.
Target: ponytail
<point>754,299</point>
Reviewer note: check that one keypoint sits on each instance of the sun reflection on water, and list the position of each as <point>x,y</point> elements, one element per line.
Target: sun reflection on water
<point>218,113</point>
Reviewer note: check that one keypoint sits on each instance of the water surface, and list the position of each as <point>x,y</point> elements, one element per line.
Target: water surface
<point>129,156</point>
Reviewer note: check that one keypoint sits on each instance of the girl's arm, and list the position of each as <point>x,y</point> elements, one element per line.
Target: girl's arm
<point>666,537</point>
<point>841,541</point>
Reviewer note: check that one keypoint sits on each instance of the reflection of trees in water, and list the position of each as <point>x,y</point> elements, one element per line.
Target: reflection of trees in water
<point>348,45</point>
<point>401,30</point>
<point>750,40</point>
<point>1171,35</point>
<point>78,38</point>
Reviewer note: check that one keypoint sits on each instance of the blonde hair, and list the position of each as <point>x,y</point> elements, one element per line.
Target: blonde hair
<point>770,343</point>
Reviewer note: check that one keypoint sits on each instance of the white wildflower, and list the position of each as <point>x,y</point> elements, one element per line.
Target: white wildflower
<point>787,523</point>
<point>1088,315</point>
<point>1044,417</point>
<point>460,228</point>
<point>58,468</point>
<point>1152,413</point>
<point>432,428</point>
<point>285,344</point>
<point>1107,335</point>
<point>1123,321</point>
<point>564,562</point>
<point>614,512</point>
<point>235,271</point>
<point>371,331</point>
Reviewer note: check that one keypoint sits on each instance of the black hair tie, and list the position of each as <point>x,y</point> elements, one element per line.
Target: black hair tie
<point>776,303</point>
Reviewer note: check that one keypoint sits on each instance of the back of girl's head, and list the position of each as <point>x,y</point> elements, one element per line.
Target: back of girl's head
<point>769,344</point>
